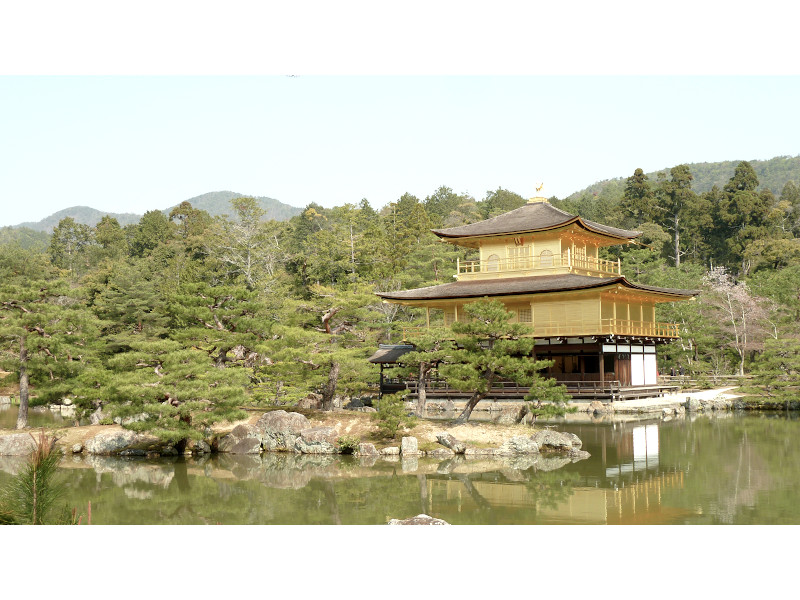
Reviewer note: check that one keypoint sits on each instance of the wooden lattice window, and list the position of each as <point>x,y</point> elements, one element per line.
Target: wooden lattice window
<point>546,259</point>
<point>519,257</point>
<point>524,315</point>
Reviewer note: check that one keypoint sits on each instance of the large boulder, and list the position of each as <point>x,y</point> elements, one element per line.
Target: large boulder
<point>554,441</point>
<point>246,445</point>
<point>473,452</point>
<point>598,408</point>
<point>115,441</point>
<point>692,404</point>
<point>317,440</point>
<point>577,455</point>
<point>440,453</point>
<point>418,520</point>
<point>409,446</point>
<point>279,430</point>
<point>311,402</point>
<point>576,441</point>
<point>240,433</point>
<point>365,449</point>
<point>519,444</point>
<point>97,416</point>
<point>448,441</point>
<point>17,444</point>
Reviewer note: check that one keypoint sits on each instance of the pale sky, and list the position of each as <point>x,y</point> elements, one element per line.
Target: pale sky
<point>150,137</point>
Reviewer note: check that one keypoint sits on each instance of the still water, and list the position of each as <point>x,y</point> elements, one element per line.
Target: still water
<point>37,417</point>
<point>732,469</point>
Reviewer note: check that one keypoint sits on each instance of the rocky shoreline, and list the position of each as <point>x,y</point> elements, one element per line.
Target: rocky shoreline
<point>291,432</point>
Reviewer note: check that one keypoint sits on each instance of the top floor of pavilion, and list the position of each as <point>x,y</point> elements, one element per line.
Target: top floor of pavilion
<point>536,239</point>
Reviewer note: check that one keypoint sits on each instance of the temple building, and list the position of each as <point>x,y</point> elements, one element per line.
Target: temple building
<point>543,263</point>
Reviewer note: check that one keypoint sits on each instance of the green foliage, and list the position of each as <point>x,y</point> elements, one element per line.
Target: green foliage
<point>491,349</point>
<point>31,495</point>
<point>392,416</point>
<point>69,244</point>
<point>348,444</point>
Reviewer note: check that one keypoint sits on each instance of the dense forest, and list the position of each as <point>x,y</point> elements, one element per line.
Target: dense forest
<point>178,320</point>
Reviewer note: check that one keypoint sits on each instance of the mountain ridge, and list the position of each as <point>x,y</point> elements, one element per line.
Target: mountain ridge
<point>215,203</point>
<point>773,173</point>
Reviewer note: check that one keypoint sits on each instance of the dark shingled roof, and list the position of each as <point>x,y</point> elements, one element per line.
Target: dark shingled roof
<point>531,217</point>
<point>389,353</point>
<point>521,285</point>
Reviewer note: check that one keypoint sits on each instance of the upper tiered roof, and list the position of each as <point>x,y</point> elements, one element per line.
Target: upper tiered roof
<point>534,216</point>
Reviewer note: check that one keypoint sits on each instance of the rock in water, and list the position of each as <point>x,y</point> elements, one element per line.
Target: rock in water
<point>113,442</point>
<point>409,446</point>
<point>519,445</point>
<point>419,520</point>
<point>279,430</point>
<point>239,441</point>
<point>17,444</point>
<point>550,441</point>
<point>365,449</point>
<point>448,441</point>
<point>246,445</point>
<point>317,440</point>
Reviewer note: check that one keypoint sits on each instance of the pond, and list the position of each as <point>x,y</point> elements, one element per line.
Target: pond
<point>38,416</point>
<point>731,469</point>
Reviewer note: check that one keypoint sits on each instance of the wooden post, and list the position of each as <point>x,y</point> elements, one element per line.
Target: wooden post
<point>619,267</point>
<point>602,366</point>
<point>428,317</point>
<point>455,313</point>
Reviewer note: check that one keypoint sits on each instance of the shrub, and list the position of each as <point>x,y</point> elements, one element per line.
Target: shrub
<point>29,497</point>
<point>391,415</point>
<point>347,444</point>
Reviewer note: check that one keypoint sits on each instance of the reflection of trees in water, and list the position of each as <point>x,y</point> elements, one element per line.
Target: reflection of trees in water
<point>552,488</point>
<point>737,471</point>
<point>741,470</point>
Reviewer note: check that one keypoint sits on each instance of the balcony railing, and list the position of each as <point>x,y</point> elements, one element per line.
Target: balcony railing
<point>552,263</point>
<point>601,327</point>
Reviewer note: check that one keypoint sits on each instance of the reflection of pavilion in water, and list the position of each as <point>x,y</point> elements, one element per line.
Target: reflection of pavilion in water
<point>621,484</point>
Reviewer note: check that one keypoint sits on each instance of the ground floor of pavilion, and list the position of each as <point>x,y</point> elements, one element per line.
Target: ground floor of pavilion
<point>593,368</point>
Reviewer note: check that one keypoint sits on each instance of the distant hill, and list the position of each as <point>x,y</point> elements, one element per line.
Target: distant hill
<point>81,214</point>
<point>219,203</point>
<point>772,174</point>
<point>216,203</point>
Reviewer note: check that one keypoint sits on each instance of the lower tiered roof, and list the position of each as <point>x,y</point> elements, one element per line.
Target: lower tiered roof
<point>526,285</point>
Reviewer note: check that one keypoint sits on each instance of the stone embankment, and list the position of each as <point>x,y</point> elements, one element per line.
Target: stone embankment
<point>290,432</point>
<point>666,407</point>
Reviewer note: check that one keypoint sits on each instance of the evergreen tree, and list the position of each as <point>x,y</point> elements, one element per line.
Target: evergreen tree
<point>68,245</point>
<point>498,202</point>
<point>52,341</point>
<point>490,350</point>
<point>154,228</point>
<point>675,195</point>
<point>638,199</point>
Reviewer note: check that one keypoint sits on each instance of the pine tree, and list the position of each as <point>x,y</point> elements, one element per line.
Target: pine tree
<point>492,349</point>
<point>639,199</point>
<point>51,338</point>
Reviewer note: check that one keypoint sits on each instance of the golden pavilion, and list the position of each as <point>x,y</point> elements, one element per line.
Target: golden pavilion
<point>543,263</point>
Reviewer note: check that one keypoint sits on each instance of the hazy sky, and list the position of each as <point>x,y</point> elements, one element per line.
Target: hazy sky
<point>131,144</point>
<point>150,136</point>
